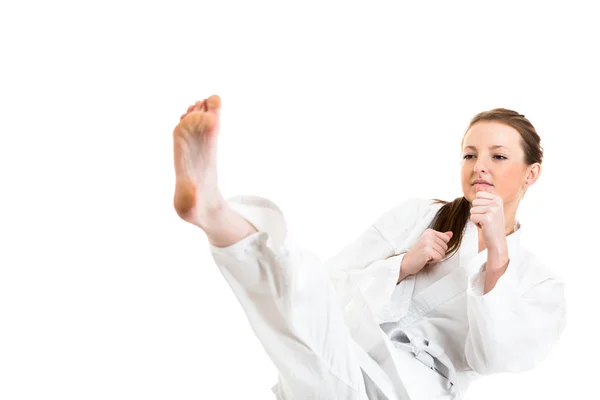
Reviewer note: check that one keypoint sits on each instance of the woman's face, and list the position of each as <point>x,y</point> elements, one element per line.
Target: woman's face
<point>492,152</point>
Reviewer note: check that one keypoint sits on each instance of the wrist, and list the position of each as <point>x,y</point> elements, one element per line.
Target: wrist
<point>404,268</point>
<point>498,249</point>
<point>402,275</point>
<point>497,253</point>
<point>497,260</point>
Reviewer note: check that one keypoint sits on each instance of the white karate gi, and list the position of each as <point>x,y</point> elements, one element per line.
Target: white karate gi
<point>335,330</point>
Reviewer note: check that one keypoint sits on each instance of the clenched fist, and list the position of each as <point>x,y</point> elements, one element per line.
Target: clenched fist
<point>431,247</point>
<point>487,213</point>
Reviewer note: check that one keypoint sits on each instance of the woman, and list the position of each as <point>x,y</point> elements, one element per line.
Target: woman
<point>429,297</point>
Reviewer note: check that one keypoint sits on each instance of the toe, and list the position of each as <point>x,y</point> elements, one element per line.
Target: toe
<point>200,105</point>
<point>213,103</point>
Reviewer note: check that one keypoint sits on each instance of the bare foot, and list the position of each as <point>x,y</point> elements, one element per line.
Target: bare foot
<point>197,194</point>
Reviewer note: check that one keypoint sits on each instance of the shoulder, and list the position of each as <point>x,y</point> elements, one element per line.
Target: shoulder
<point>407,213</point>
<point>412,208</point>
<point>534,270</point>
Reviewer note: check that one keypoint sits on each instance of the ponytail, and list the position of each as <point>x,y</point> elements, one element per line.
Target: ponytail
<point>453,216</point>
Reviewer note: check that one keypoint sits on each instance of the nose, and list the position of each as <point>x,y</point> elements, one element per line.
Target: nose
<point>481,165</point>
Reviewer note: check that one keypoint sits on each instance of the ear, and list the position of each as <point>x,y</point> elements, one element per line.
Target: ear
<point>533,173</point>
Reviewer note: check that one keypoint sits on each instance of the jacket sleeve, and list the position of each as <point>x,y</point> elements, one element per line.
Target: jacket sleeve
<point>513,327</point>
<point>381,239</point>
<point>371,263</point>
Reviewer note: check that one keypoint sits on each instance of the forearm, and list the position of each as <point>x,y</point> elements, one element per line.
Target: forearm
<point>403,270</point>
<point>497,263</point>
<point>402,275</point>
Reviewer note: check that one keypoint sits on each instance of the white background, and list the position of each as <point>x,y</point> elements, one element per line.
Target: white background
<point>335,111</point>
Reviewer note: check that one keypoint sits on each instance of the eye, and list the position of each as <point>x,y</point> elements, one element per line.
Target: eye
<point>500,157</point>
<point>468,156</point>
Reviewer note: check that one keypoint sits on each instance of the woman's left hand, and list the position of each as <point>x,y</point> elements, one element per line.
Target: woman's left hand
<point>487,212</point>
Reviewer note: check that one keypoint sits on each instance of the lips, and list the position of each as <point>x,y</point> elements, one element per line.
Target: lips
<point>481,182</point>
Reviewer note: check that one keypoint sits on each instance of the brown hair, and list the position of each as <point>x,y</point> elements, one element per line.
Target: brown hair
<point>454,215</point>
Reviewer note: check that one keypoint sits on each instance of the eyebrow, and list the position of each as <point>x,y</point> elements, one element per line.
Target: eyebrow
<point>494,147</point>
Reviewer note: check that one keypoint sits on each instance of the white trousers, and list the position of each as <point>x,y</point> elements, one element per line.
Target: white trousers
<point>292,308</point>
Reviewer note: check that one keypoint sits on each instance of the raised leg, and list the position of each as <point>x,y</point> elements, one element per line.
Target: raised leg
<point>285,292</point>
<point>197,197</point>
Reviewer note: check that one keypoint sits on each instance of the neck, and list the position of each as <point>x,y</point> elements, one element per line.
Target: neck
<point>510,212</point>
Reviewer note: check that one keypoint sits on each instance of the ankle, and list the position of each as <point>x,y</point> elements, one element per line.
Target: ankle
<point>211,215</point>
<point>224,226</point>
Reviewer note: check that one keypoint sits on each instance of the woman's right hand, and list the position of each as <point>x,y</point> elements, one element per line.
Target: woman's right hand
<point>430,248</point>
